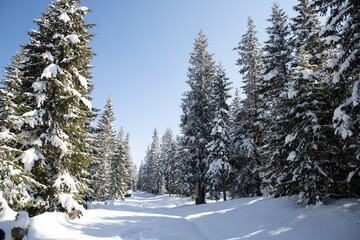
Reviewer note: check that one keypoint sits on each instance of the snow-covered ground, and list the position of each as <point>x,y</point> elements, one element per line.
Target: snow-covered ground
<point>146,216</point>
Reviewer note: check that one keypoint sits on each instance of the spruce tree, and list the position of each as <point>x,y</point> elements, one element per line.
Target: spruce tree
<point>168,153</point>
<point>131,171</point>
<point>198,112</point>
<point>106,139</point>
<point>277,59</point>
<point>155,169</point>
<point>306,32</point>
<point>17,184</point>
<point>120,167</point>
<point>55,106</point>
<point>248,135</point>
<point>342,32</point>
<point>219,148</point>
<point>305,130</point>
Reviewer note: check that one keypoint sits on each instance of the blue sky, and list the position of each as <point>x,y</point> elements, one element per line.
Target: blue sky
<point>143,51</point>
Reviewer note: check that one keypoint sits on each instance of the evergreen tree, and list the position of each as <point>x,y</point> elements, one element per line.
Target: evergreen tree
<point>120,167</point>
<point>342,32</point>
<point>219,148</point>
<point>154,168</point>
<point>143,182</point>
<point>17,184</point>
<point>106,139</point>
<point>277,60</point>
<point>306,32</point>
<point>198,112</point>
<point>305,130</point>
<point>132,172</point>
<point>55,106</point>
<point>248,135</point>
<point>168,153</point>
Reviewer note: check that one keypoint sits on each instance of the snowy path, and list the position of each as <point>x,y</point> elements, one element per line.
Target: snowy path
<point>145,216</point>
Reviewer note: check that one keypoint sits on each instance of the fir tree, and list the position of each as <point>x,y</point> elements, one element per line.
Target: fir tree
<point>132,172</point>
<point>219,148</point>
<point>248,136</point>
<point>17,184</point>
<point>120,167</point>
<point>306,32</point>
<point>198,113</point>
<point>342,32</point>
<point>277,60</point>
<point>55,106</point>
<point>304,129</point>
<point>168,153</point>
<point>106,139</point>
<point>155,170</point>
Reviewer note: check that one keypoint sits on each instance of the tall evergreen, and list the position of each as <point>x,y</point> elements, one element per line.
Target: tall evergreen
<point>55,85</point>
<point>155,169</point>
<point>120,167</point>
<point>305,131</point>
<point>277,59</point>
<point>168,159</point>
<point>198,112</point>
<point>306,29</point>
<point>106,139</point>
<point>17,184</point>
<point>248,138</point>
<point>341,30</point>
<point>131,171</point>
<point>219,148</point>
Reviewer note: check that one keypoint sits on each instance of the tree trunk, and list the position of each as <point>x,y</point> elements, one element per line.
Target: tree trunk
<point>200,197</point>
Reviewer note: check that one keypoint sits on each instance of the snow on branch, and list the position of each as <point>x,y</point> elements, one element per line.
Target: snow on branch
<point>51,71</point>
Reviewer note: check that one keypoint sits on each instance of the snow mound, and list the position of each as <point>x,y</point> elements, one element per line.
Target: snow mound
<point>22,220</point>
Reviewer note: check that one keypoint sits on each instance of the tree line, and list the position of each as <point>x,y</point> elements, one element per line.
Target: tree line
<point>297,130</point>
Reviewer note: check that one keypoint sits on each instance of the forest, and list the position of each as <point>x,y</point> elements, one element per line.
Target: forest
<point>295,133</point>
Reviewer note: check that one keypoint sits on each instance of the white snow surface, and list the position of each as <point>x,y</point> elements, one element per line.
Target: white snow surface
<point>29,157</point>
<point>22,220</point>
<point>73,38</point>
<point>64,17</point>
<point>51,71</point>
<point>146,216</point>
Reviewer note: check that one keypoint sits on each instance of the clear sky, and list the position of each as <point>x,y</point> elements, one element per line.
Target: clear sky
<point>143,49</point>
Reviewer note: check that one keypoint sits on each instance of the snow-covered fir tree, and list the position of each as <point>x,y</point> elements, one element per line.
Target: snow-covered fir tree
<point>219,148</point>
<point>120,167</point>
<point>131,167</point>
<point>248,135</point>
<point>198,113</point>
<point>55,85</point>
<point>143,183</point>
<point>106,140</point>
<point>342,32</point>
<point>17,184</point>
<point>277,59</point>
<point>304,128</point>
<point>306,28</point>
<point>168,159</point>
<point>155,168</point>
